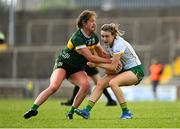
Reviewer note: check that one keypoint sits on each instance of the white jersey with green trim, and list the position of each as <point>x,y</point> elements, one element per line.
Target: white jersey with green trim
<point>129,57</point>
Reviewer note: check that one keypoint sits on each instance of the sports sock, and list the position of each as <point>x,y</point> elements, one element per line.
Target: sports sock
<point>35,107</point>
<point>72,110</point>
<point>124,107</point>
<point>89,105</point>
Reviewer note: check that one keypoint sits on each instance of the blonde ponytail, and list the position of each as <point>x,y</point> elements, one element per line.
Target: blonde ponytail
<point>113,28</point>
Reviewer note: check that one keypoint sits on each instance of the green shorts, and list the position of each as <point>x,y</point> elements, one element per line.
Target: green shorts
<point>138,71</point>
<point>67,67</point>
<point>91,71</point>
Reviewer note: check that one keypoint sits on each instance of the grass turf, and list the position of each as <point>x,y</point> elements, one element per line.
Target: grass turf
<point>52,115</point>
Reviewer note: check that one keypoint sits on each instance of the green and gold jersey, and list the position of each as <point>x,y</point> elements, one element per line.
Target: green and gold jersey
<point>78,41</point>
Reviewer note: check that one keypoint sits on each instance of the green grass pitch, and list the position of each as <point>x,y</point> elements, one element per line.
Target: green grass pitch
<point>51,115</point>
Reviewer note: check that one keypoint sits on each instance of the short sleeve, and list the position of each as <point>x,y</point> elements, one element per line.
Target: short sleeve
<point>118,47</point>
<point>78,42</point>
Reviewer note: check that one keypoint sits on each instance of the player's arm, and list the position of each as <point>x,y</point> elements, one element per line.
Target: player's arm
<point>113,66</point>
<point>100,51</point>
<point>92,58</point>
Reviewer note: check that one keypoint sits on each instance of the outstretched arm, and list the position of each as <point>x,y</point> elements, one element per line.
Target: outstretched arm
<point>92,58</point>
<point>113,66</point>
<point>101,52</point>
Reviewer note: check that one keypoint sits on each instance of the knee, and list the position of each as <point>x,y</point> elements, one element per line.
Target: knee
<point>53,87</point>
<point>113,84</point>
<point>84,87</point>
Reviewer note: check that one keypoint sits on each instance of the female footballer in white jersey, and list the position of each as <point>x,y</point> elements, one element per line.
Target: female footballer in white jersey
<point>125,70</point>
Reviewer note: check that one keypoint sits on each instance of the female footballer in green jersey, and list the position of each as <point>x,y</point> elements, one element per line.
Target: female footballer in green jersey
<point>71,61</point>
<point>125,70</point>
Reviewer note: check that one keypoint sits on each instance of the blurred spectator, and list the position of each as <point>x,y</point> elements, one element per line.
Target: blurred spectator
<point>156,69</point>
<point>3,45</point>
<point>28,90</point>
<point>176,67</point>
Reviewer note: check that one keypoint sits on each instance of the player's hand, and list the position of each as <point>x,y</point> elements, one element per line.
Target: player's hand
<point>110,72</point>
<point>119,67</point>
<point>90,64</point>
